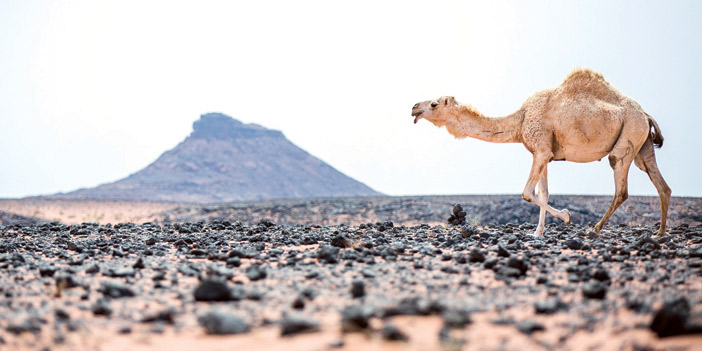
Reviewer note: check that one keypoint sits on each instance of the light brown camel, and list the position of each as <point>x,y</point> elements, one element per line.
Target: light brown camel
<point>582,120</point>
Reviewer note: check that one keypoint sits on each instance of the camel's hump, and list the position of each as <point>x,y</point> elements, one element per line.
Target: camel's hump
<point>586,82</point>
<point>584,75</point>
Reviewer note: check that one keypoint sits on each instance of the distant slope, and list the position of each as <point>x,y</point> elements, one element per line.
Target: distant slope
<point>226,160</point>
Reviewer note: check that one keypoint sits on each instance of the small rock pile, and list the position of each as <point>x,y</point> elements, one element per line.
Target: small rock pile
<point>458,217</point>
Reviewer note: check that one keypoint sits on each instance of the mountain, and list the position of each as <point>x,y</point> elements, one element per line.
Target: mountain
<point>226,160</point>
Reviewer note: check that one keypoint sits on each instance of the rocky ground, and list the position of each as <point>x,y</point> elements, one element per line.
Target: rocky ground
<point>415,210</point>
<point>402,210</point>
<point>266,285</point>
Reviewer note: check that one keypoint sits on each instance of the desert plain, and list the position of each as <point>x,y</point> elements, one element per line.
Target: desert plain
<point>365,273</point>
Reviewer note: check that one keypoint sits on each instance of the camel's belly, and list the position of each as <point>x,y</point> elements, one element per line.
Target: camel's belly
<point>583,148</point>
<point>587,137</point>
<point>581,157</point>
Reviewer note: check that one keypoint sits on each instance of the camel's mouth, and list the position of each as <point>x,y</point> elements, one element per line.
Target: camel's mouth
<point>417,115</point>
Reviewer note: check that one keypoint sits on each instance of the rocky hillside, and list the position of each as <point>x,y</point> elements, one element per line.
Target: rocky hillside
<point>226,160</point>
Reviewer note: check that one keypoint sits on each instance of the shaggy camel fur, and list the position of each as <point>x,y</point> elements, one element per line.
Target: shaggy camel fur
<point>582,120</point>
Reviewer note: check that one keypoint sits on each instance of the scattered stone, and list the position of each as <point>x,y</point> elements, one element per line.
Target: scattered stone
<point>139,264</point>
<point>355,318</point>
<point>222,323</point>
<point>467,231</point>
<point>601,274</point>
<point>116,290</point>
<point>61,314</point>
<point>299,303</point>
<point>549,306</point>
<point>65,281</point>
<point>101,308</point>
<point>574,244</point>
<point>476,255</point>
<point>165,316</point>
<point>120,272</point>
<point>342,241</point>
<point>93,269</point>
<point>47,271</point>
<point>594,290</point>
<point>367,273</point>
<point>502,252</point>
<point>29,324</point>
<point>528,327</point>
<point>519,264</point>
<point>392,333</point>
<point>358,288</point>
<point>329,254</point>
<point>671,319</point>
<point>456,319</point>
<point>295,323</point>
<point>256,272</point>
<point>212,290</point>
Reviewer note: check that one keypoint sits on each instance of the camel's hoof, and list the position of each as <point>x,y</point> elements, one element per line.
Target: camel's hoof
<point>567,221</point>
<point>537,234</point>
<point>591,234</point>
<point>658,236</point>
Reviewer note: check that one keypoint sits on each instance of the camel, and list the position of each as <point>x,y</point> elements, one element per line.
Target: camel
<point>582,120</point>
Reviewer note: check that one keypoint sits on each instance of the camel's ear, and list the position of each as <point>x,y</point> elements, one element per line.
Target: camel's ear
<point>450,99</point>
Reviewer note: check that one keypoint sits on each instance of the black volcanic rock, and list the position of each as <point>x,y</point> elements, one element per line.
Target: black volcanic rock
<point>671,318</point>
<point>222,323</point>
<point>226,160</point>
<point>212,290</point>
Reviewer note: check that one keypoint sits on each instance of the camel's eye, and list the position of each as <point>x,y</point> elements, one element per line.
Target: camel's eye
<point>434,104</point>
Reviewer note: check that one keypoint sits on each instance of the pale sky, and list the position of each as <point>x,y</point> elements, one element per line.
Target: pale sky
<point>92,91</point>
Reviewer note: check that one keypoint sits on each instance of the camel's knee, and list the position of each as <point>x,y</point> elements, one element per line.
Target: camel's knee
<point>613,160</point>
<point>623,196</point>
<point>619,198</point>
<point>528,196</point>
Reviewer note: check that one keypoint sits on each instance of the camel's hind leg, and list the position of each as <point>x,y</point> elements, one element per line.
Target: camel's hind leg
<point>646,160</point>
<point>620,159</point>
<point>543,196</point>
<point>538,172</point>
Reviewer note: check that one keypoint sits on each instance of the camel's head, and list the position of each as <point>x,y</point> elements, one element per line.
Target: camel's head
<point>435,111</point>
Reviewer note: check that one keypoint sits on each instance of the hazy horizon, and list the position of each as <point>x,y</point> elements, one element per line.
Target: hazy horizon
<point>92,91</point>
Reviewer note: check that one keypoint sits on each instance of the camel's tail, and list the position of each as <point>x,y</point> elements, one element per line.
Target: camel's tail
<point>656,134</point>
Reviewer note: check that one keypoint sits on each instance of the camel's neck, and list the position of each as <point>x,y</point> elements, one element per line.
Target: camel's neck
<point>470,123</point>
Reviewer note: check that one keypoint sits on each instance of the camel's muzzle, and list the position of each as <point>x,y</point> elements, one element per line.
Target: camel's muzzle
<point>417,115</point>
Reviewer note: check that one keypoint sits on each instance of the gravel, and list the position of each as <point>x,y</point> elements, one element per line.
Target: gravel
<point>224,277</point>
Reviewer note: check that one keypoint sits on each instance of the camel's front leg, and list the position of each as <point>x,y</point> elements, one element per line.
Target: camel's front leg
<point>538,170</point>
<point>543,196</point>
